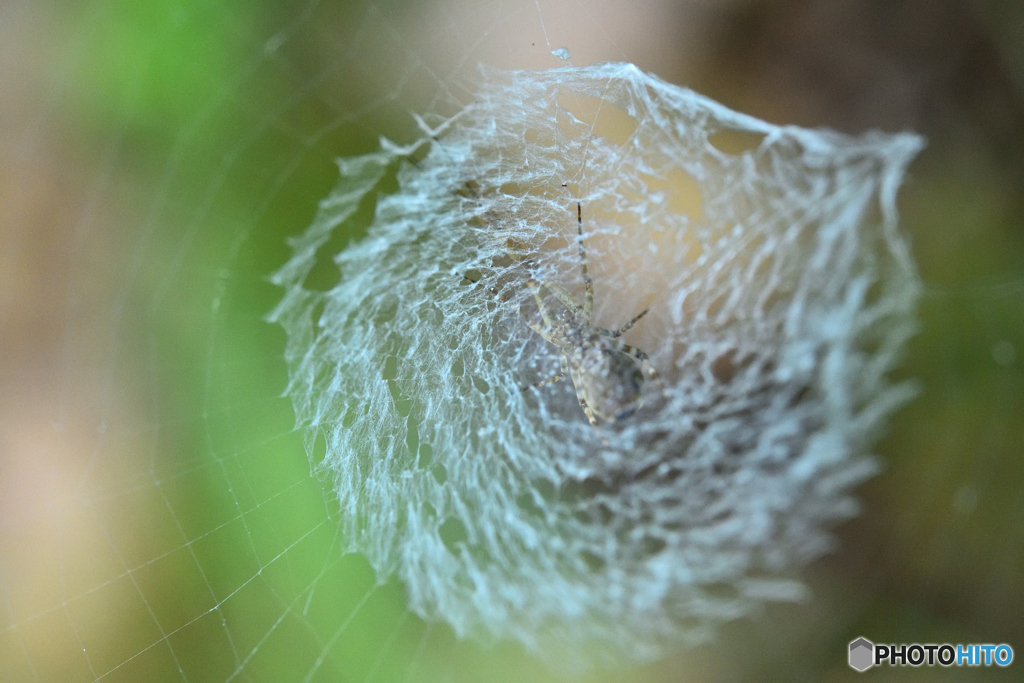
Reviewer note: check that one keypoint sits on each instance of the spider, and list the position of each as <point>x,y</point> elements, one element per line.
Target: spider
<point>608,374</point>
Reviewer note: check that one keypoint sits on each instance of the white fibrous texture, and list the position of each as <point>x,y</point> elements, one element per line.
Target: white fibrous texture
<point>780,294</point>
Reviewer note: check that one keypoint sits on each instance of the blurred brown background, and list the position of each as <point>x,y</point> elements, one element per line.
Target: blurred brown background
<point>157,516</point>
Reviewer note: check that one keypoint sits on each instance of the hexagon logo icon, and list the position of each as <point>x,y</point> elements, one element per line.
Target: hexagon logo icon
<point>862,654</point>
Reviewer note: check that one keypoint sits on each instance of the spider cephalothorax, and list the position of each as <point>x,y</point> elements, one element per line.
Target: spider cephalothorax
<point>608,374</point>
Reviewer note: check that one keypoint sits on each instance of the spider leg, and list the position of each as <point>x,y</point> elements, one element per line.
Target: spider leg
<point>545,311</point>
<point>563,295</point>
<point>543,382</point>
<point>589,413</point>
<point>625,328</point>
<point>588,301</point>
<point>549,380</point>
<point>645,362</point>
<point>543,333</point>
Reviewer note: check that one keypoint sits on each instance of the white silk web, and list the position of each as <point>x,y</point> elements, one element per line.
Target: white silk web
<point>780,298</point>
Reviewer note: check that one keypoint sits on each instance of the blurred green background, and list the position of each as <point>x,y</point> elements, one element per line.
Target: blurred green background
<point>158,518</point>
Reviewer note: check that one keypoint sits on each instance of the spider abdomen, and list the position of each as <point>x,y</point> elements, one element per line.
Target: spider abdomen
<point>608,380</point>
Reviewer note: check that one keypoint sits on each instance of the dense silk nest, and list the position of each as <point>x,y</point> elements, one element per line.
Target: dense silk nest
<point>780,295</point>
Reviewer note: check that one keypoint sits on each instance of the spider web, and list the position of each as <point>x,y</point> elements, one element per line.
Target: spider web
<point>159,517</point>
